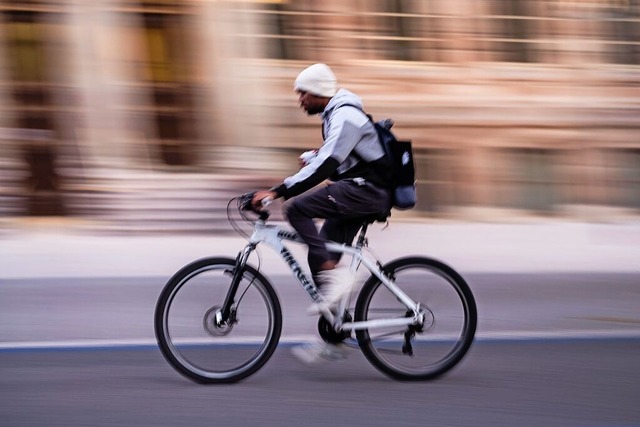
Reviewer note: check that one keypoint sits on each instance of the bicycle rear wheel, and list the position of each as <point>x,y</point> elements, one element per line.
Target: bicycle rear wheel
<point>200,347</point>
<point>425,351</point>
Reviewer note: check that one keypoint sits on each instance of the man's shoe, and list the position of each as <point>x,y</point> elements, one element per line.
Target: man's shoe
<point>314,353</point>
<point>333,284</point>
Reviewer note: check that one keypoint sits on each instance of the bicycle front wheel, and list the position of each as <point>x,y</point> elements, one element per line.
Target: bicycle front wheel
<point>423,351</point>
<point>196,343</point>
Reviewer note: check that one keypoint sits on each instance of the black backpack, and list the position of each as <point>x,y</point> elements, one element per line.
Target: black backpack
<point>399,156</point>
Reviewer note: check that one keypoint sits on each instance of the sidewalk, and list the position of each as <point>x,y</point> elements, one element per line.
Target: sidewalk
<point>468,247</point>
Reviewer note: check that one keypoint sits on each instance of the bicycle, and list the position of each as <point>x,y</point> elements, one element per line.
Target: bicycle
<point>414,318</point>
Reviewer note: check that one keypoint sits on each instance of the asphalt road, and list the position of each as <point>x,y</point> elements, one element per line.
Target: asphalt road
<point>551,349</point>
<point>44,312</point>
<point>557,382</point>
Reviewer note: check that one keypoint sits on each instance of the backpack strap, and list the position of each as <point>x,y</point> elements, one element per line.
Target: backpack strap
<point>388,123</point>
<point>369,116</point>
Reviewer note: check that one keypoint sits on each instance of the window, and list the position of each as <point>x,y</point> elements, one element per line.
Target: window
<point>25,47</point>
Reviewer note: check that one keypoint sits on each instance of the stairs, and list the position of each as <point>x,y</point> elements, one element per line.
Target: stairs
<point>11,188</point>
<point>152,202</point>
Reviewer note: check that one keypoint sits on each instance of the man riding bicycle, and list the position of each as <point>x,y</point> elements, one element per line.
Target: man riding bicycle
<point>352,158</point>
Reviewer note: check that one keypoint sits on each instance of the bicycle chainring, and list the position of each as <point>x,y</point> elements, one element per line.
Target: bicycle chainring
<point>329,334</point>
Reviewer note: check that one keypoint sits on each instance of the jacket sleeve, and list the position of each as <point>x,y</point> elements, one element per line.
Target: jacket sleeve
<point>339,141</point>
<point>308,177</point>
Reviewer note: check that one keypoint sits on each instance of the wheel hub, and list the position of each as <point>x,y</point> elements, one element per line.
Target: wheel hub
<point>428,319</point>
<point>213,323</point>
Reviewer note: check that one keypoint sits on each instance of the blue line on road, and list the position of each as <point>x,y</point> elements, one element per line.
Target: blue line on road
<point>150,344</point>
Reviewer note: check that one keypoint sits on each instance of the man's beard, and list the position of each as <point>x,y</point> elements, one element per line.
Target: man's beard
<point>312,111</point>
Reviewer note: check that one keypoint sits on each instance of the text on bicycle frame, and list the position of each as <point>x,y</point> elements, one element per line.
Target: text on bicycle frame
<point>299,274</point>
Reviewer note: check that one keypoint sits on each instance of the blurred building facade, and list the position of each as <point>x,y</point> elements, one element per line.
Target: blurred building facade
<point>513,105</point>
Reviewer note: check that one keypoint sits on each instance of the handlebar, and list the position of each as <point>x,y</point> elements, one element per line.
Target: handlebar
<point>246,205</point>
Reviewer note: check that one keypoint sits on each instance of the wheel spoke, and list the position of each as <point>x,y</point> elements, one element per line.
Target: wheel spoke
<point>448,339</point>
<point>189,331</point>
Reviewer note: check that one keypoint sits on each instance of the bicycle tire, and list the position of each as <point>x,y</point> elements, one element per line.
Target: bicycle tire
<point>450,313</point>
<point>207,353</point>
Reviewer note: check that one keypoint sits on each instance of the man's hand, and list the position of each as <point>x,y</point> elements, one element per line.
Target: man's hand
<point>256,202</point>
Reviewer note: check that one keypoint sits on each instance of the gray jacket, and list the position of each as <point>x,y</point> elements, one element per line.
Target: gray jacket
<point>351,148</point>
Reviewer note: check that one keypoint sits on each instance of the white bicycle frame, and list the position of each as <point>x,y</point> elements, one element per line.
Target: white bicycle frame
<point>274,235</point>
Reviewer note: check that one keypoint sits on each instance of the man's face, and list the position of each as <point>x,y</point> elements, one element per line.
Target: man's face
<point>312,104</point>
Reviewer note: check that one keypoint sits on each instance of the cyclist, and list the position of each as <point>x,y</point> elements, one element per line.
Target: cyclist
<point>351,158</point>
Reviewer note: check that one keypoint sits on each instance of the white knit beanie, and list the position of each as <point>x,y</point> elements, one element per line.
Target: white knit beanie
<point>317,79</point>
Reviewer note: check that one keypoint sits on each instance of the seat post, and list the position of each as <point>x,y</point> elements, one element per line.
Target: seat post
<point>362,235</point>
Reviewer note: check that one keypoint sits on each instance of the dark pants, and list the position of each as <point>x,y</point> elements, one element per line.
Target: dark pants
<point>343,205</point>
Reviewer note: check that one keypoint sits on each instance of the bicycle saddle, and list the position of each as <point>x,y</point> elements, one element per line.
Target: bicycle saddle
<point>379,217</point>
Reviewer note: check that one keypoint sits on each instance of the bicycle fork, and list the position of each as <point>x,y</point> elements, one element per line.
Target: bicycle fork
<point>224,314</point>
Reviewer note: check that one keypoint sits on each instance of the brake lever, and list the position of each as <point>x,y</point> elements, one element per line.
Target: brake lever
<point>247,205</point>
<point>245,201</point>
